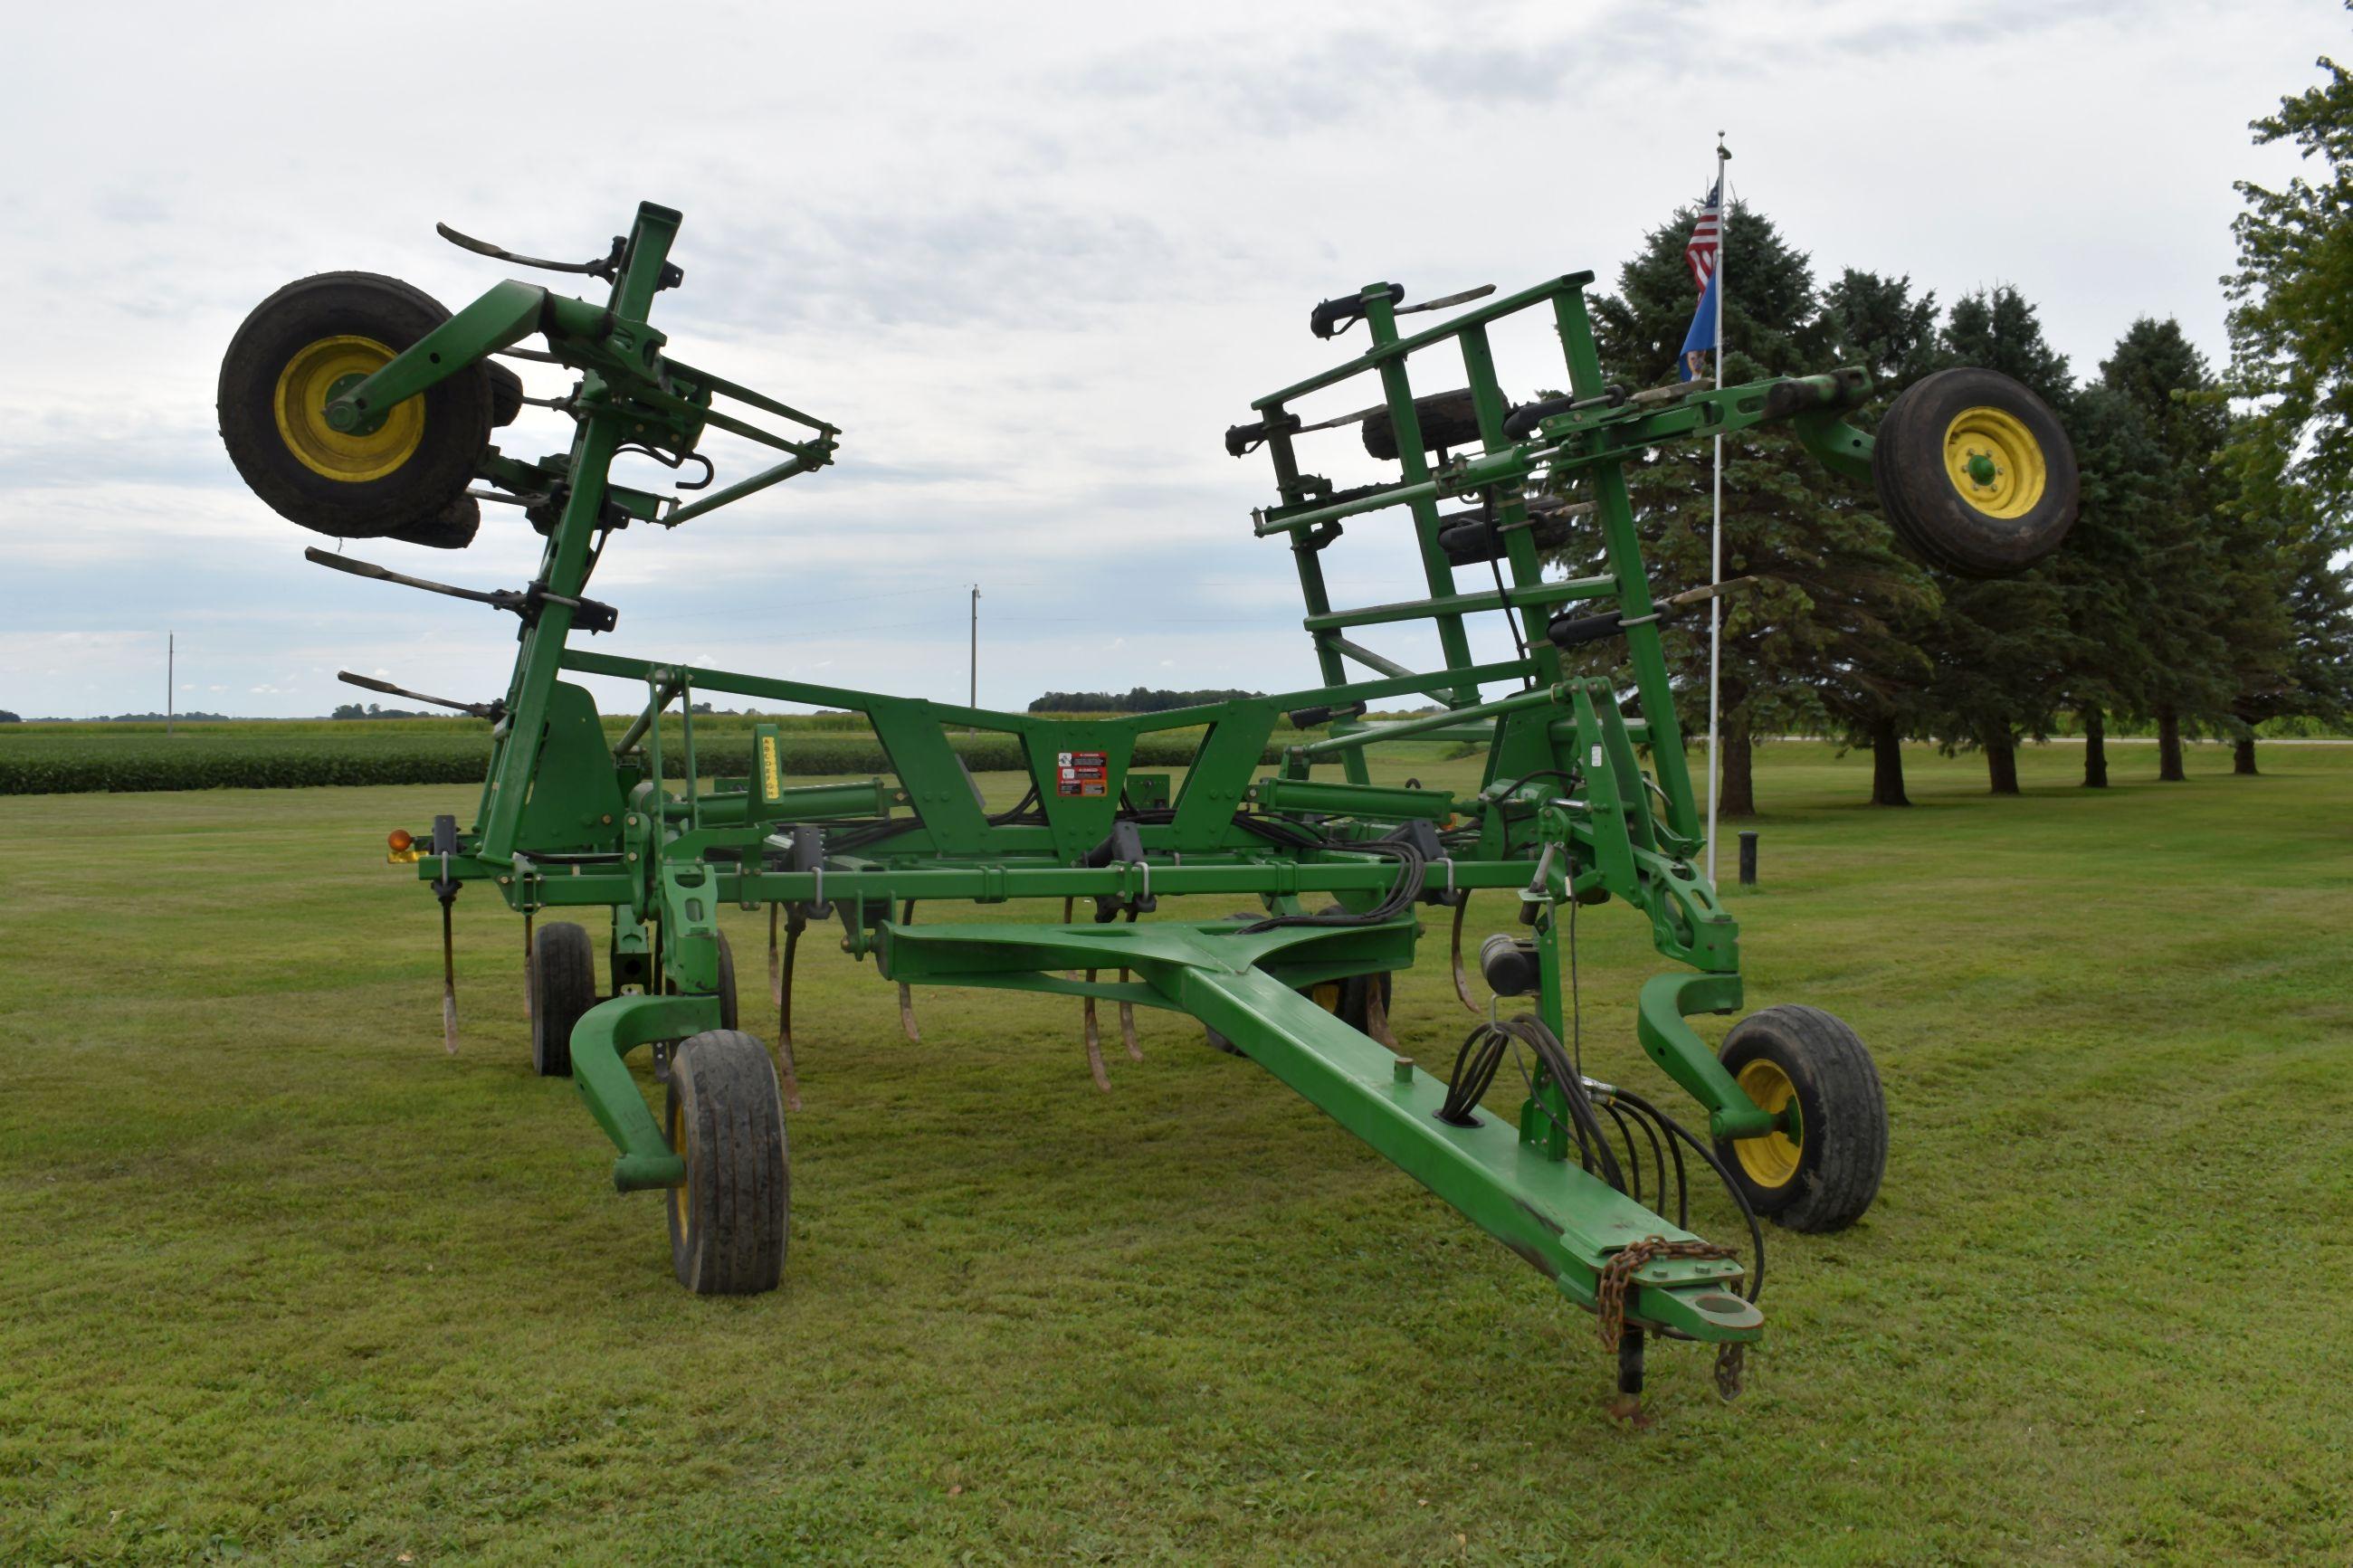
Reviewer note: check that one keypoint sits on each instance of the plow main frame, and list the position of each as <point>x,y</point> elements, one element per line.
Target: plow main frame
<point>1585,796</point>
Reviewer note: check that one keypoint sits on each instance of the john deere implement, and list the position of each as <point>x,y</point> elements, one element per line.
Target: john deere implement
<point>356,405</point>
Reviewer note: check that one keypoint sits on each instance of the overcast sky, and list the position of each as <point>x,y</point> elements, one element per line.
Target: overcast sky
<point>1032,260</point>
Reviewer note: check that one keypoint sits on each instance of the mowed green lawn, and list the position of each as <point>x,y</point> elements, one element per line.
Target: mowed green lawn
<point>280,1279</point>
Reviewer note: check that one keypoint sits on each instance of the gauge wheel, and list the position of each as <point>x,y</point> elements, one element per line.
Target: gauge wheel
<point>506,393</point>
<point>725,1119</point>
<point>1975,473</point>
<point>306,344</point>
<point>1821,1169</point>
<point>562,987</point>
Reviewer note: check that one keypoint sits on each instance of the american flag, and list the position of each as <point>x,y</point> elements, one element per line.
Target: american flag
<point>1700,254</point>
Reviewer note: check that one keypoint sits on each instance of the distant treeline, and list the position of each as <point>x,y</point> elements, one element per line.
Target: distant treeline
<point>1141,699</point>
<point>199,717</point>
<point>376,710</point>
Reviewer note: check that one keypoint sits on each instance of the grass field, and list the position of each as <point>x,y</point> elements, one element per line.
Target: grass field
<point>284,1281</point>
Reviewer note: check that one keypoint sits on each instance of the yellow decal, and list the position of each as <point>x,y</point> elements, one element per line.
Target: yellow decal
<point>772,783</point>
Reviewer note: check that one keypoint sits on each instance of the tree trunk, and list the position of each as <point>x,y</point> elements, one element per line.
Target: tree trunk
<point>2001,765</point>
<point>2242,755</point>
<point>1739,797</point>
<point>2095,749</point>
<point>1887,764</point>
<point>2168,746</point>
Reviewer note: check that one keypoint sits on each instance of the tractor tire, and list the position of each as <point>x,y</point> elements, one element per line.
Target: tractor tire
<point>295,350</point>
<point>562,987</point>
<point>1975,473</point>
<point>725,1118</point>
<point>1351,998</point>
<point>453,530</point>
<point>506,393</point>
<point>1447,420</point>
<point>1825,1178</point>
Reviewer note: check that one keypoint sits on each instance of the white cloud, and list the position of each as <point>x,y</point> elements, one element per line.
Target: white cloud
<point>1033,269</point>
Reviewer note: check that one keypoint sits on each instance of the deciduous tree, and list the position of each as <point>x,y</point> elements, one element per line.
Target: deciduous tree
<point>2291,359</point>
<point>2292,321</point>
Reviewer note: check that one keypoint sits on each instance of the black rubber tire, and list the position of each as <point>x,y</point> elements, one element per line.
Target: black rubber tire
<point>1447,420</point>
<point>506,393</point>
<point>1927,509</point>
<point>564,986</point>
<point>453,530</point>
<point>1356,992</point>
<point>726,1117</point>
<point>1842,1117</point>
<point>456,425</point>
<point>1354,1007</point>
<point>727,1012</point>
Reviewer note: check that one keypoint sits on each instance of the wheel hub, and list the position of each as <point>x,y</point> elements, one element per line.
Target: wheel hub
<point>376,445</point>
<point>1995,462</point>
<point>1771,1160</point>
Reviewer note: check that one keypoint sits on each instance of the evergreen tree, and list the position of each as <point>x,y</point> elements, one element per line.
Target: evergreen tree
<point>1875,322</point>
<point>1828,585</point>
<point>2306,670</point>
<point>2106,573</point>
<point>2214,603</point>
<point>2000,647</point>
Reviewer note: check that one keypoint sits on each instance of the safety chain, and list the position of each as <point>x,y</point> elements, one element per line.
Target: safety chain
<point>1730,1361</point>
<point>1609,1289</point>
<point>1609,1300</point>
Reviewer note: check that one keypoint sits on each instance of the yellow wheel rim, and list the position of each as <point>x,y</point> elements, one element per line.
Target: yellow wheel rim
<point>1326,995</point>
<point>1770,1161</point>
<point>316,374</point>
<point>1994,462</point>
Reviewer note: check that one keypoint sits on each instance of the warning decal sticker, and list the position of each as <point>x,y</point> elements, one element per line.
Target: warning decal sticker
<point>1080,773</point>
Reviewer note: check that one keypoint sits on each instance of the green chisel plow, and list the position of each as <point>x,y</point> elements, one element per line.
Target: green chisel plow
<point>356,405</point>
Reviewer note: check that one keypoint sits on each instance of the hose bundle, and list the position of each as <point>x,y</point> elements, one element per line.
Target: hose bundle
<point>1587,1101</point>
<point>1401,896</point>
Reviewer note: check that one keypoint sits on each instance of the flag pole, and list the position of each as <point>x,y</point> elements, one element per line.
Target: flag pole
<point>1716,519</point>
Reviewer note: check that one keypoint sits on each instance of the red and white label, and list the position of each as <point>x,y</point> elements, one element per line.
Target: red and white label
<point>1081,774</point>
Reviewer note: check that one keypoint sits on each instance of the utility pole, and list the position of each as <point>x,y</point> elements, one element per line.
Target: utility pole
<point>171,676</point>
<point>972,697</point>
